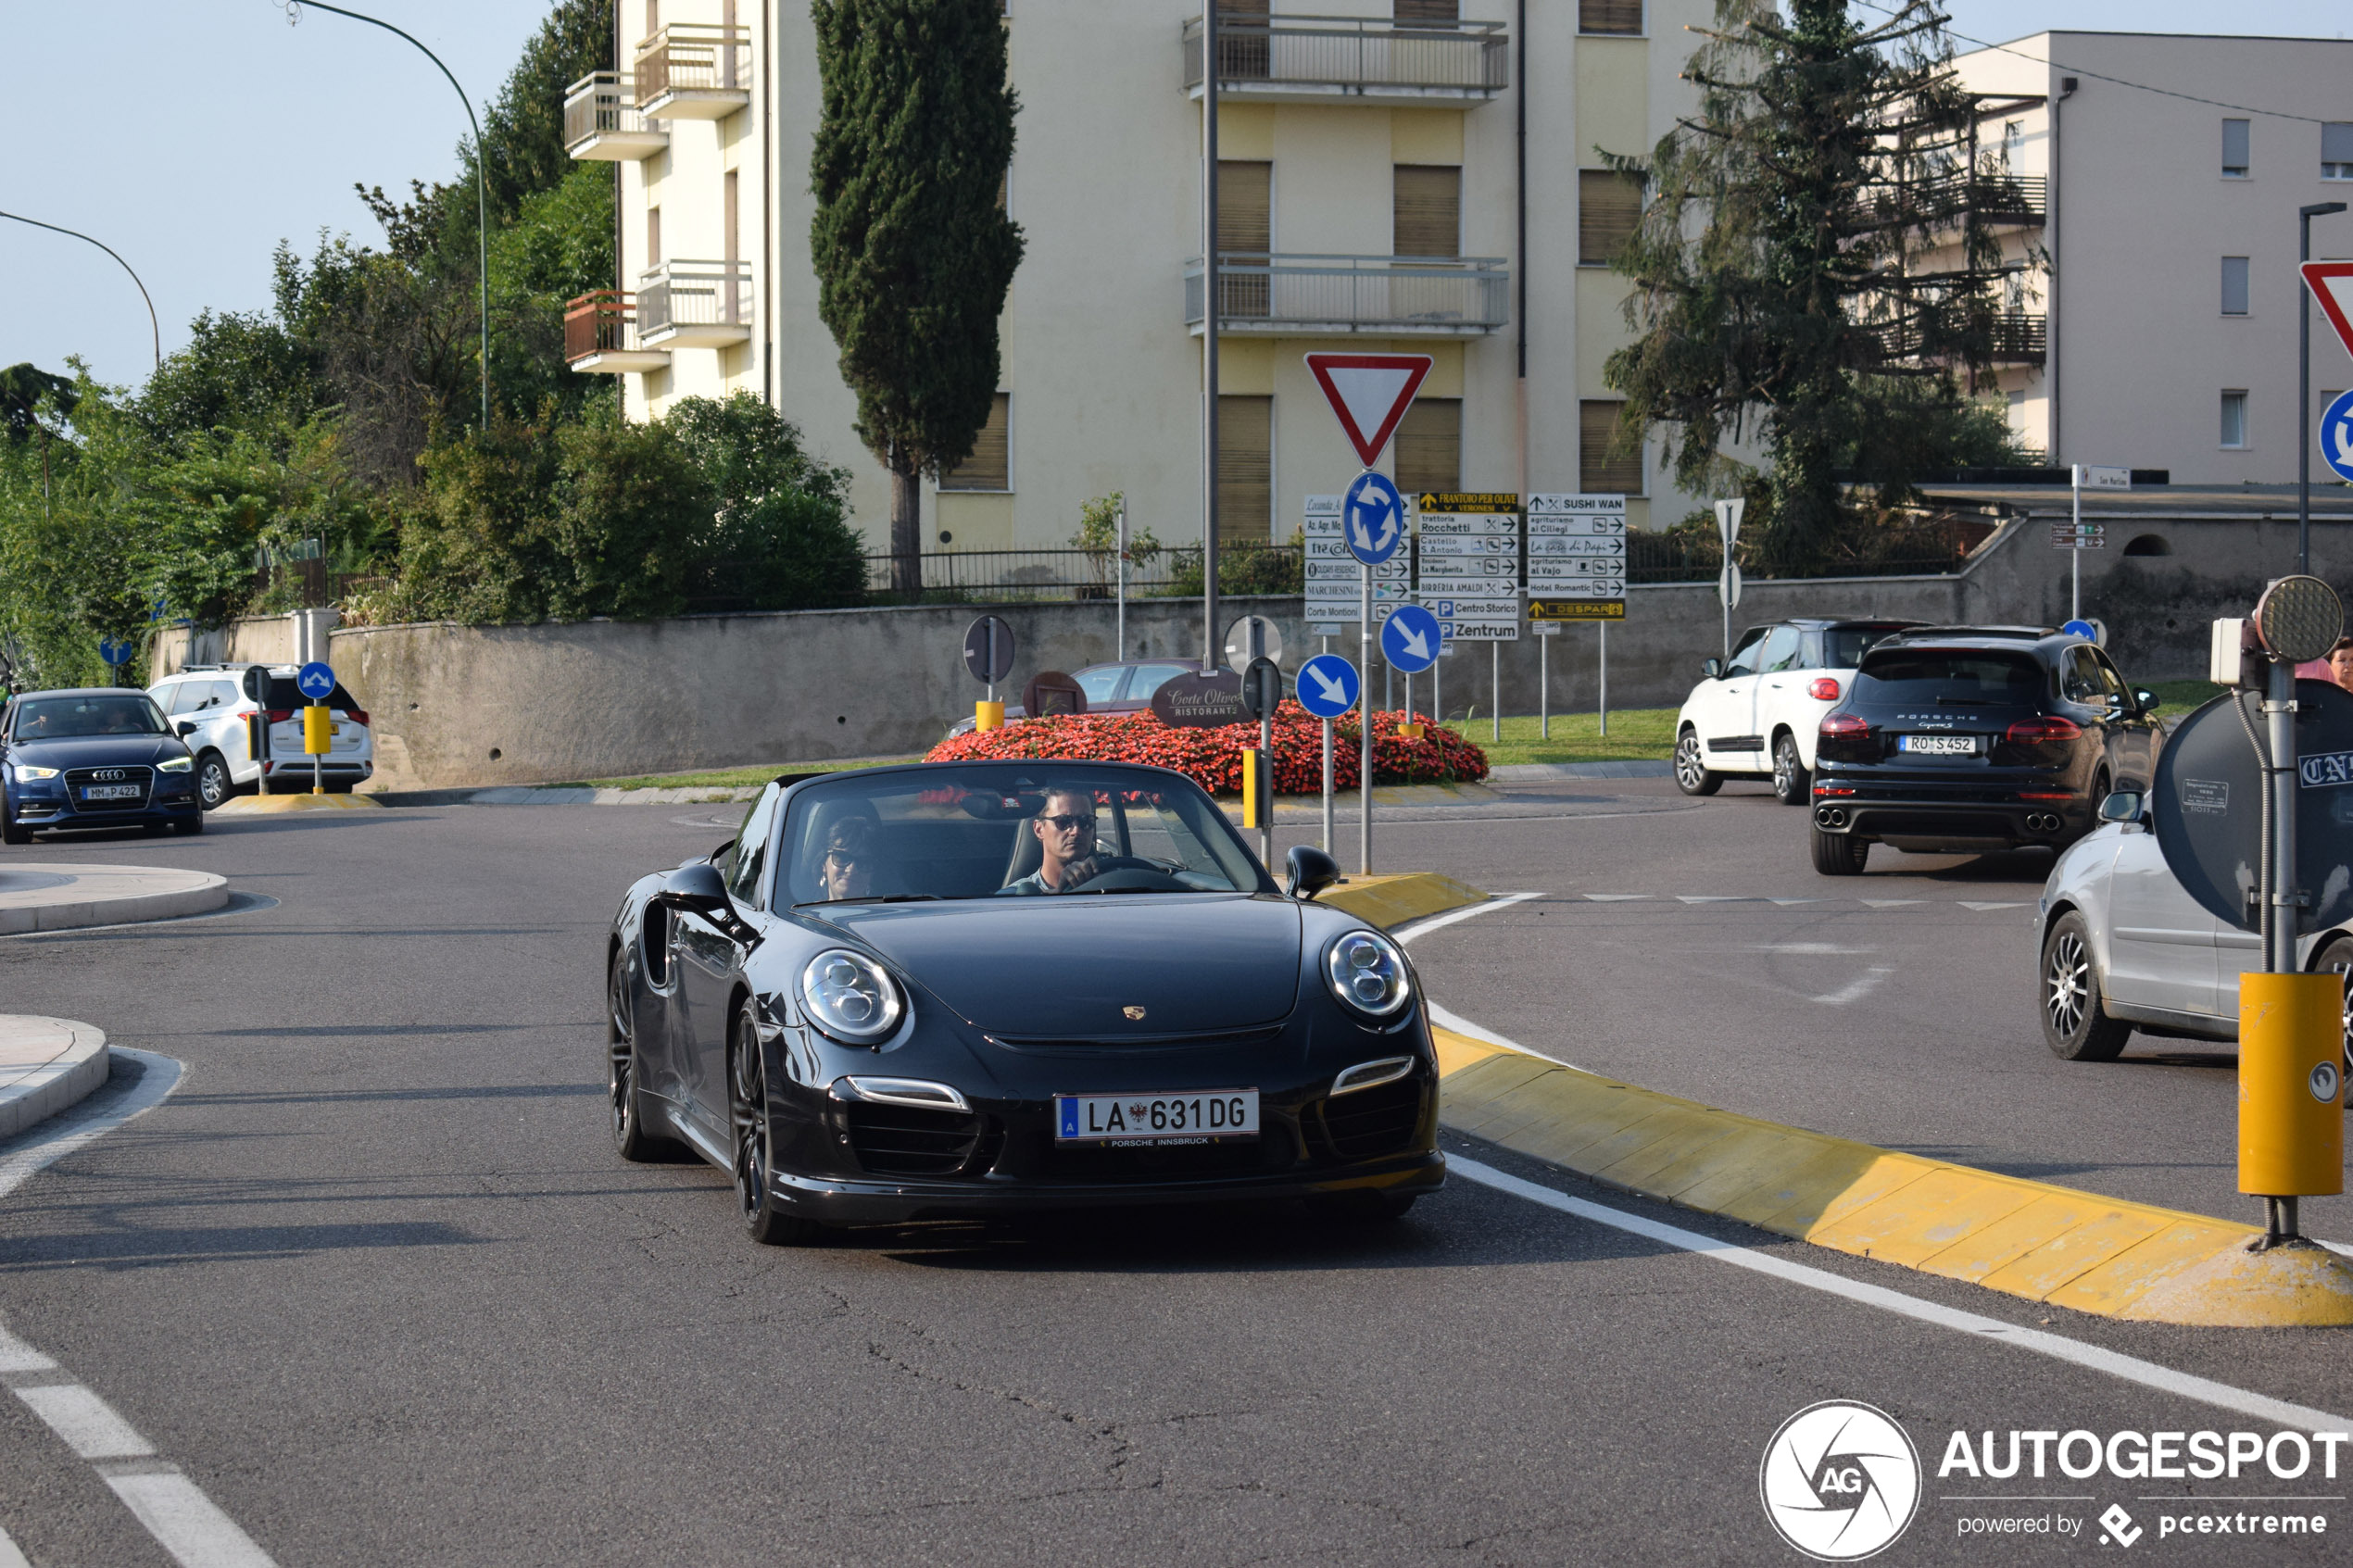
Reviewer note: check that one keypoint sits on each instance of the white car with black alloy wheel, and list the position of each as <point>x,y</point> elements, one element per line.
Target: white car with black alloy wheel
<point>1756,715</point>
<point>2124,946</point>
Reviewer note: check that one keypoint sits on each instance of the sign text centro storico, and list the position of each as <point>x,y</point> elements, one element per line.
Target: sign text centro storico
<point>1200,701</point>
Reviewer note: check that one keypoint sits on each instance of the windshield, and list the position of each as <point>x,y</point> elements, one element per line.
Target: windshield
<point>1013,830</point>
<point>54,718</point>
<point>1957,677</point>
<point>1842,647</point>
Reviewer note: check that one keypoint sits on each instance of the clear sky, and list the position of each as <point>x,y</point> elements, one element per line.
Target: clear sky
<point>191,135</point>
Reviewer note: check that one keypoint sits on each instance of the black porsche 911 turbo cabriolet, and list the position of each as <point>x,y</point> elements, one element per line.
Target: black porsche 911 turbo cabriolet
<point>952,990</point>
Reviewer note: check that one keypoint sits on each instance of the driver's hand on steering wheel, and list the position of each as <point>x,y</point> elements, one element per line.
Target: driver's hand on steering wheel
<point>1086,870</point>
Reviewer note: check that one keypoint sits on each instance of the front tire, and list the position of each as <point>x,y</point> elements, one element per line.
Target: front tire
<point>1840,854</point>
<point>11,831</point>
<point>748,1106</point>
<point>2075,1022</point>
<point>1791,783</point>
<point>215,784</point>
<point>631,1139</point>
<point>1692,774</point>
<point>188,827</point>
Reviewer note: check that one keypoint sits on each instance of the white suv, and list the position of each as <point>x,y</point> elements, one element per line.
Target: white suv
<point>1756,714</point>
<point>212,708</point>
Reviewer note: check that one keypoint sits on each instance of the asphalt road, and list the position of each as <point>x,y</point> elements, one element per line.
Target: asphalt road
<point>372,1278</point>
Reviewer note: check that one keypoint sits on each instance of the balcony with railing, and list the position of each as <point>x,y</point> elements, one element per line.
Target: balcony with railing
<point>2020,199</point>
<point>695,304</point>
<point>1345,296</point>
<point>692,70</point>
<point>1320,59</point>
<point>602,121</point>
<point>600,336</point>
<point>2010,337</point>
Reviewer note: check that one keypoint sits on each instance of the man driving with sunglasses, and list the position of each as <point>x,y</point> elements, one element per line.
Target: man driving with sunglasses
<point>1065,830</point>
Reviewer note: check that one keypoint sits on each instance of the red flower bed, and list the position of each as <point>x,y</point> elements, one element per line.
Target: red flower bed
<point>1212,756</point>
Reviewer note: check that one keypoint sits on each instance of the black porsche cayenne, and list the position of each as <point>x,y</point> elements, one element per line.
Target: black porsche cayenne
<point>1967,739</point>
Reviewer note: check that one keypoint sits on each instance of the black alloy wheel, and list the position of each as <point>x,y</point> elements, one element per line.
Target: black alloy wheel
<point>2075,1023</point>
<point>631,1139</point>
<point>1791,781</point>
<point>215,784</point>
<point>1840,854</point>
<point>748,1112</point>
<point>1692,775</point>
<point>2337,958</point>
<point>12,831</point>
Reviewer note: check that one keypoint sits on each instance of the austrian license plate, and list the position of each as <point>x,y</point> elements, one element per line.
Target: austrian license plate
<point>1133,1120</point>
<point>110,792</point>
<point>1938,745</point>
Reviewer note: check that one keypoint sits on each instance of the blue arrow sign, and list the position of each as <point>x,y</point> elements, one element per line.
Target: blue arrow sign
<point>1328,685</point>
<point>2083,629</point>
<point>316,680</point>
<point>2336,434</point>
<point>1373,519</point>
<point>1410,639</point>
<point>116,651</point>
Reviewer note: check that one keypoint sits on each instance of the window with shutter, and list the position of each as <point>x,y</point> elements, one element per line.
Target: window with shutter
<point>1245,467</point>
<point>1602,469</point>
<point>1245,233</point>
<point>2236,162</point>
<point>2336,150</point>
<point>1427,208</point>
<point>1429,445</point>
<point>2234,285</point>
<point>1622,16</point>
<point>1608,207</point>
<point>1423,12</point>
<point>653,236</point>
<point>991,465</point>
<point>2234,417</point>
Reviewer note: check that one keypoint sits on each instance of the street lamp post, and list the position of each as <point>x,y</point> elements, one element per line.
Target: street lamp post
<point>2304,216</point>
<point>481,197</point>
<point>153,326</point>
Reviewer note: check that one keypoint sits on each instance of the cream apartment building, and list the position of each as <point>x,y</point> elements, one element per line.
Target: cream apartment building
<point>1370,198</point>
<point>2158,327</point>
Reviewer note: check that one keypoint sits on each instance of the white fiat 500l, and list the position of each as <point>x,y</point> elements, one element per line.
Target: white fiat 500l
<point>2124,946</point>
<point>1756,714</point>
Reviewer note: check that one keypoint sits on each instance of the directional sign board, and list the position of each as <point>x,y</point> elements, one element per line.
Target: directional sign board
<point>988,649</point>
<point>1335,578</point>
<point>2088,477</point>
<point>116,651</point>
<point>1575,557</point>
<point>2079,537</point>
<point>1468,547</point>
<point>315,681</point>
<point>2332,285</point>
<point>1410,639</point>
<point>1370,393</point>
<point>1485,617</point>
<point>2336,435</point>
<point>1328,685</point>
<point>1372,517</point>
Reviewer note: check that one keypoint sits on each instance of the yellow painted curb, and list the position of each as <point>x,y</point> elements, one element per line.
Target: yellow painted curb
<point>2032,1239</point>
<point>304,802</point>
<point>1399,897</point>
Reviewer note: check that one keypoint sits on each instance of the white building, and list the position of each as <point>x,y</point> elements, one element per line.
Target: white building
<point>2171,288</point>
<point>1348,142</point>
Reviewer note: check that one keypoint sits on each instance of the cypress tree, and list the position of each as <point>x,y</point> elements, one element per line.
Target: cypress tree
<point>913,252</point>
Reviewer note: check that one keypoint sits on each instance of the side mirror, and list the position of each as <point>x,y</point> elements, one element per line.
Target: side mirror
<point>698,888</point>
<point>2124,806</point>
<point>1711,668</point>
<point>2149,701</point>
<point>1312,871</point>
<point>185,728</point>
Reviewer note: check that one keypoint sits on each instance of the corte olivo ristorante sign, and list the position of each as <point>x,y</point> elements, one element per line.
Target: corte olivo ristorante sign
<point>1201,701</point>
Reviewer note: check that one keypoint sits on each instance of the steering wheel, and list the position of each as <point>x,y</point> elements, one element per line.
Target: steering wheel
<point>1130,872</point>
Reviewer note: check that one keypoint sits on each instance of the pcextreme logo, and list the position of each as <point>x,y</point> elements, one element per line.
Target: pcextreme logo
<point>1841,1481</point>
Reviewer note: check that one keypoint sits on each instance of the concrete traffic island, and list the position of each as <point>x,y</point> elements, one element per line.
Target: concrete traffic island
<point>243,805</point>
<point>60,896</point>
<point>45,1065</point>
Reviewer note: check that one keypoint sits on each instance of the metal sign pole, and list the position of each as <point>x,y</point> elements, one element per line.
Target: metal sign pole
<point>1119,647</point>
<point>1495,651</point>
<point>2075,547</point>
<point>1328,787</point>
<point>1364,696</point>
<point>2279,711</point>
<point>1544,686</point>
<point>1604,627</point>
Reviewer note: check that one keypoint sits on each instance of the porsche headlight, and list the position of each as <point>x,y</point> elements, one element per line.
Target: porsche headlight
<point>1367,973</point>
<point>175,764</point>
<point>30,773</point>
<point>848,996</point>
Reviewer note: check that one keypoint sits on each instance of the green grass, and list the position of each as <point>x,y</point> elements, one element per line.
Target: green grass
<point>2179,696</point>
<point>728,778</point>
<point>1636,735</point>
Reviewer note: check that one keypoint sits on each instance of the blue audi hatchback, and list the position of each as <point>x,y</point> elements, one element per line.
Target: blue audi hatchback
<point>95,757</point>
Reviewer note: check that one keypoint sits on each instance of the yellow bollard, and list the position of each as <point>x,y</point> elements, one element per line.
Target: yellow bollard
<point>1256,798</point>
<point>988,715</point>
<point>317,736</point>
<point>2291,1085</point>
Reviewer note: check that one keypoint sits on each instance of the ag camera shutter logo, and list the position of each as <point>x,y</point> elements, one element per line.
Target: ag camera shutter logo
<point>1841,1481</point>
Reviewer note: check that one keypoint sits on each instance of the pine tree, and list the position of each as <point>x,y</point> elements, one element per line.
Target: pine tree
<point>913,249</point>
<point>1809,252</point>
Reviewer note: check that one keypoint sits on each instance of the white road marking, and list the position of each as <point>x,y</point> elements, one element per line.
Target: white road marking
<point>173,1509</point>
<point>1459,1024</point>
<point>1830,948</point>
<point>1462,1026</point>
<point>1971,904</point>
<point>2129,1368</point>
<point>1412,929</point>
<point>1615,898</point>
<point>1889,903</point>
<point>9,1556</point>
<point>1857,988</point>
<point>1714,899</point>
<point>1785,903</point>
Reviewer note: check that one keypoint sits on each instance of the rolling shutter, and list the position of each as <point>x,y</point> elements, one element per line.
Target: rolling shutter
<point>991,465</point>
<point>1623,17</point>
<point>1245,467</point>
<point>1428,207</point>
<point>1609,205</point>
<point>1429,445</point>
<point>1604,471</point>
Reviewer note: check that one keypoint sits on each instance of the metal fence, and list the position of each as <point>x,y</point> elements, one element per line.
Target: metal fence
<point>603,103</point>
<point>1055,576</point>
<point>694,57</point>
<point>694,294</point>
<point>1353,52</point>
<point>597,322</point>
<point>1448,296</point>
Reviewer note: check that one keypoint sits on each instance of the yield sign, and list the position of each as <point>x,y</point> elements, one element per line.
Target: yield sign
<point>2332,285</point>
<point>1370,394</point>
